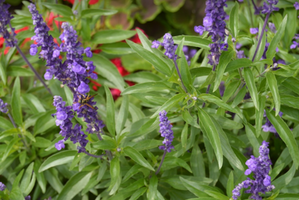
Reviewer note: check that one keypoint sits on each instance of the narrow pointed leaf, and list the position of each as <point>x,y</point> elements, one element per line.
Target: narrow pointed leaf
<point>110,110</point>
<point>137,157</point>
<point>250,83</point>
<point>272,83</point>
<point>212,133</point>
<point>286,135</point>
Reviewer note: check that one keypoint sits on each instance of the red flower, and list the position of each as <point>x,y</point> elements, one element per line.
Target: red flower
<point>50,18</point>
<point>2,40</point>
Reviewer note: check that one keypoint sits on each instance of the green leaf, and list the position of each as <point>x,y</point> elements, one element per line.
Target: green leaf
<point>59,158</point>
<point>5,123</point>
<point>106,144</point>
<point>27,177</point>
<point>261,49</point>
<point>138,193</point>
<point>111,36</point>
<point>33,103</point>
<point>155,60</point>
<point>19,71</point>
<point>146,87</point>
<point>3,68</point>
<point>172,102</point>
<point>184,136</point>
<point>276,39</point>
<point>286,135</point>
<point>230,184</point>
<point>252,138</point>
<point>249,79</point>
<point>123,114</point>
<point>146,144</point>
<point>144,40</point>
<point>193,41</point>
<point>152,189</point>
<point>9,148</point>
<point>74,185</point>
<point>224,59</point>
<point>133,62</point>
<point>234,20</point>
<point>259,116</point>
<point>217,101</point>
<point>207,124</point>
<point>59,9</point>
<point>184,67</point>
<point>115,176</point>
<point>16,102</point>
<point>290,101</point>
<point>137,157</point>
<point>116,48</point>
<point>105,68</point>
<point>40,177</point>
<point>272,83</point>
<point>238,63</point>
<point>90,12</point>
<point>110,109</point>
<point>197,162</point>
<point>291,83</point>
<point>16,193</point>
<point>226,147</point>
<point>285,179</point>
<point>173,162</point>
<point>199,188</point>
<point>51,176</point>
<point>290,31</point>
<point>44,122</point>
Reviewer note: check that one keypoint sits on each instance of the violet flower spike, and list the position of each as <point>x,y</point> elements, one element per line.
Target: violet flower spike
<point>167,133</point>
<point>5,18</point>
<point>3,107</point>
<point>260,168</point>
<point>170,49</point>
<point>296,5</point>
<point>214,23</point>
<point>2,186</point>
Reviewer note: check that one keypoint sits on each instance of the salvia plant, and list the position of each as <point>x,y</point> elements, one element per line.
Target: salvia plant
<point>89,110</point>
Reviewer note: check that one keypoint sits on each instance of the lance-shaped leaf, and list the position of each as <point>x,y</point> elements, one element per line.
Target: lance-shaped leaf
<point>277,37</point>
<point>115,175</point>
<point>224,59</point>
<point>16,102</point>
<point>59,158</point>
<point>193,41</point>
<point>207,124</point>
<point>137,157</point>
<point>110,121</point>
<point>286,135</point>
<point>272,83</point>
<point>234,20</point>
<point>156,61</point>
<point>249,79</point>
<point>74,185</point>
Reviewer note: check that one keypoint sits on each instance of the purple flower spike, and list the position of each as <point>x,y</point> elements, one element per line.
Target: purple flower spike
<point>260,168</point>
<point>2,186</point>
<point>156,44</point>
<point>199,29</point>
<point>214,23</point>
<point>83,88</point>
<point>60,145</point>
<point>269,7</point>
<point>254,31</point>
<point>5,18</point>
<point>166,132</point>
<point>3,107</point>
<point>28,197</point>
<point>296,5</point>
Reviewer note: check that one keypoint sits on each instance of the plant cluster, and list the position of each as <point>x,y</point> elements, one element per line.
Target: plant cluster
<point>92,112</point>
